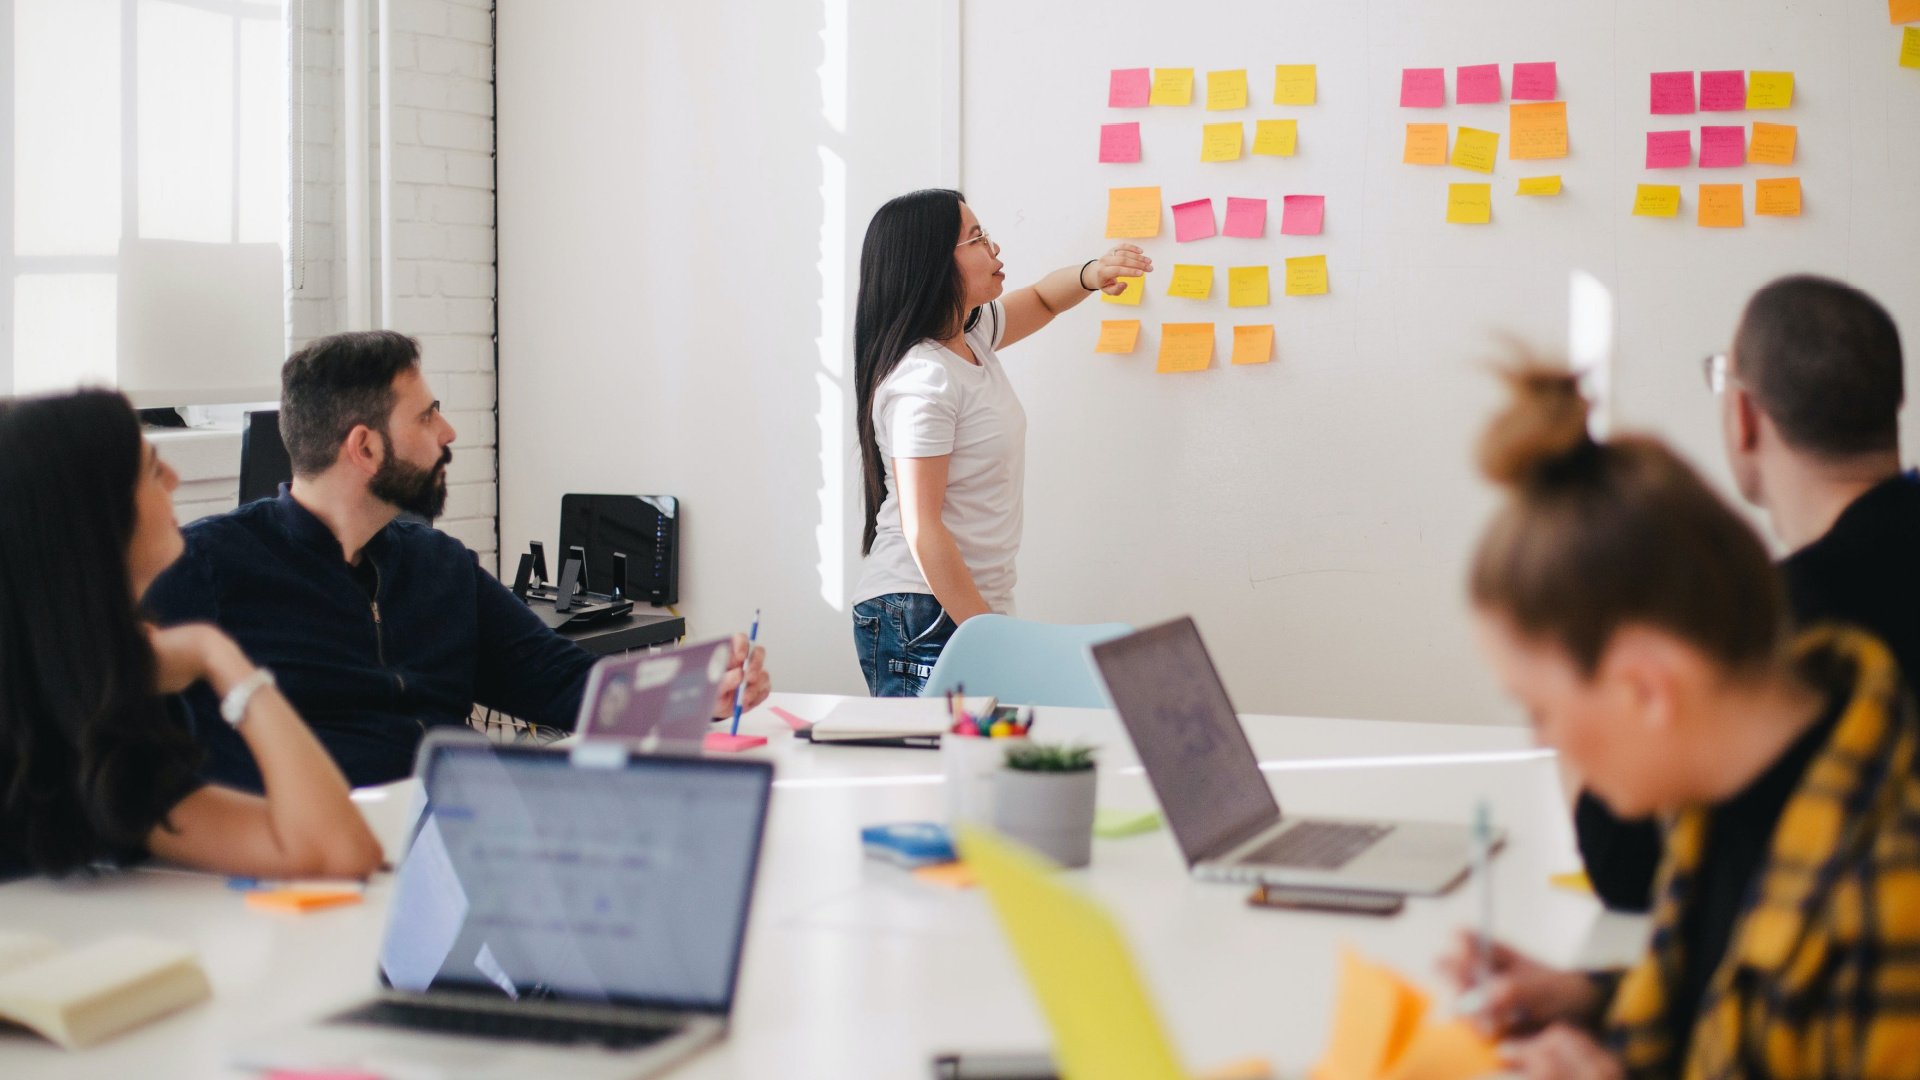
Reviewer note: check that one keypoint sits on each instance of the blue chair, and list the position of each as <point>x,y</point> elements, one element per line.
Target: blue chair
<point>1024,663</point>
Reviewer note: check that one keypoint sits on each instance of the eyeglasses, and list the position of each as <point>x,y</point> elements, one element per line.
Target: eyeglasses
<point>1714,368</point>
<point>992,247</point>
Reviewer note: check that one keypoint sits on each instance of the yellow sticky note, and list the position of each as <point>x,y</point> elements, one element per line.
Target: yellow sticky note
<point>953,875</point>
<point>1253,344</point>
<point>1278,138</point>
<point>1221,142</point>
<point>1132,290</point>
<point>1426,144</point>
<point>1777,197</point>
<point>1246,286</point>
<point>1910,47</point>
<point>1769,89</point>
<point>1118,336</point>
<point>1191,282</point>
<point>1572,881</point>
<point>1469,204</point>
<point>1185,346</point>
<point>1449,1051</point>
<point>1375,1017</point>
<point>1475,149</point>
<point>1171,86</point>
<point>1772,144</point>
<point>1538,130</point>
<point>1307,275</point>
<point>1539,185</point>
<point>1656,200</point>
<point>1903,11</point>
<point>1295,84</point>
<point>1133,212</point>
<point>1227,89</point>
<point>1722,206</point>
<point>1077,962</point>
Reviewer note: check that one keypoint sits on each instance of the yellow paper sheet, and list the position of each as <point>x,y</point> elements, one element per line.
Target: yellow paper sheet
<point>1772,144</point>
<point>1475,149</point>
<point>1118,336</point>
<point>1221,142</point>
<point>1276,138</point>
<point>1770,90</point>
<point>1298,84</point>
<point>1469,204</point>
<point>1375,1017</point>
<point>1227,89</point>
<point>1102,1020</point>
<point>1185,347</point>
<point>1191,282</point>
<point>1722,206</point>
<point>1910,47</point>
<point>1133,212</point>
<point>1537,130</point>
<point>1539,185</point>
<point>1426,144</point>
<point>1253,344</point>
<point>1657,200</point>
<point>1777,197</point>
<point>1133,289</point>
<point>1903,11</point>
<point>1171,86</point>
<point>1449,1051</point>
<point>1307,275</point>
<point>1246,286</point>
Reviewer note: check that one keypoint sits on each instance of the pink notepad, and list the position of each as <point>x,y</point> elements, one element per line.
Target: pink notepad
<point>1723,91</point>
<point>1193,220</point>
<point>1129,88</point>
<point>1669,149</point>
<point>1672,93</point>
<point>1120,142</point>
<point>1536,82</point>
<point>1302,215</point>
<point>1423,88</point>
<point>1477,84</point>
<point>721,742</point>
<point>1723,147</point>
<point>1246,218</point>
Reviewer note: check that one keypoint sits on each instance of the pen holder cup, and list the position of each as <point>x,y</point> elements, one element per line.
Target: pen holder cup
<point>970,763</point>
<point>1050,812</point>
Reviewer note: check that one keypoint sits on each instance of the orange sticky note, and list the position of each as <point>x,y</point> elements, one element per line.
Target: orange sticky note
<point>1777,197</point>
<point>953,875</point>
<point>1656,200</point>
<point>1475,149</point>
<point>1253,344</point>
<point>1185,347</point>
<point>1537,130</point>
<point>1276,138</point>
<point>301,901</point>
<point>1131,290</point>
<point>1375,1017</point>
<point>1772,144</point>
<point>1133,212</point>
<point>1722,206</point>
<point>1307,275</point>
<point>1903,11</point>
<point>1449,1051</point>
<point>1426,144</point>
<point>1118,336</point>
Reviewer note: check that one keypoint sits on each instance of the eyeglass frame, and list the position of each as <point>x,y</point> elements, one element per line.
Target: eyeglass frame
<point>983,238</point>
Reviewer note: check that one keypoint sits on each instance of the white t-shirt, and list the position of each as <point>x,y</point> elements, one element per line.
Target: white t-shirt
<point>933,404</point>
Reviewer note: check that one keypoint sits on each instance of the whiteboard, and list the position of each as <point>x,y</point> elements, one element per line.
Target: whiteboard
<point>1316,513</point>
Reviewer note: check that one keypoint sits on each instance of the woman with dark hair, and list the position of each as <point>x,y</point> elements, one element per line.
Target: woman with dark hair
<point>942,435</point>
<point>97,762</point>
<point>1639,621</point>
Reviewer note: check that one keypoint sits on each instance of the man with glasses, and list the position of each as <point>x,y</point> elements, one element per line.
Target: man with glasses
<point>1810,396</point>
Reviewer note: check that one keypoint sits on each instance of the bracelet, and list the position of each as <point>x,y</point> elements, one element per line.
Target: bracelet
<point>233,707</point>
<point>1083,274</point>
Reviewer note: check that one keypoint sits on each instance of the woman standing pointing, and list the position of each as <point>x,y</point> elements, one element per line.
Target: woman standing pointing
<point>942,434</point>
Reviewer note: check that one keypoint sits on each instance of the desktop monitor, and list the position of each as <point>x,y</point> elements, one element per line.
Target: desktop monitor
<point>644,528</point>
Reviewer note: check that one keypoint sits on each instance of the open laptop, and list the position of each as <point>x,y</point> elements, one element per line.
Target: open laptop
<point>655,700</point>
<point>1216,799</point>
<point>574,913</point>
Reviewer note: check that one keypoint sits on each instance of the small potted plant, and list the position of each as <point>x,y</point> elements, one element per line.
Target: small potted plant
<point>1044,798</point>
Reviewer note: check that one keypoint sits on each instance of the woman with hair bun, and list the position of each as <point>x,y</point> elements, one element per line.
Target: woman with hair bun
<point>1640,623</point>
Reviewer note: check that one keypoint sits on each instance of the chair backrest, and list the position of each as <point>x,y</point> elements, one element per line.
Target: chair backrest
<point>1024,663</point>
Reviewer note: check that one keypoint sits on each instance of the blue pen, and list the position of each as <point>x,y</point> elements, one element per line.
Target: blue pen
<point>740,692</point>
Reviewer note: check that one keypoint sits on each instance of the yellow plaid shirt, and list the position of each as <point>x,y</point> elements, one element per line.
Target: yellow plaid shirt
<point>1822,973</point>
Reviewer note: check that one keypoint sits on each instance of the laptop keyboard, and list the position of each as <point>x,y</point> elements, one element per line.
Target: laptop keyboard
<point>519,1026</point>
<point>1318,845</point>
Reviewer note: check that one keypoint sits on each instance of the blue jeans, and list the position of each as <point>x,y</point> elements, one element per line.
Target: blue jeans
<point>898,637</point>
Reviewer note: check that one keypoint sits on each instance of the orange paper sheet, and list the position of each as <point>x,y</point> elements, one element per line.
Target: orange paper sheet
<point>1772,144</point>
<point>1185,347</point>
<point>1133,213</point>
<point>1426,144</point>
<point>1777,197</point>
<point>1118,336</point>
<point>1253,344</point>
<point>1722,206</point>
<point>1537,130</point>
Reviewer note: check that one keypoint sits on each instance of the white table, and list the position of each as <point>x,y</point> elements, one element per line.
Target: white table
<point>853,969</point>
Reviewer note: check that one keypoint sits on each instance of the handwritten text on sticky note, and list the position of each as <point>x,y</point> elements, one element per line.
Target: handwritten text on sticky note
<point>1723,146</point>
<point>1307,275</point>
<point>1227,89</point>
<point>1172,86</point>
<point>1246,218</point>
<point>1772,144</point>
<point>1302,215</point>
<point>1656,200</point>
<point>1191,282</point>
<point>1777,196</point>
<point>1469,204</point>
<point>1246,286</point>
<point>1672,93</point>
<point>1118,336</point>
<point>1295,84</point>
<point>1129,88</point>
<point>1131,290</point>
<point>1723,91</point>
<point>1120,142</point>
<point>1669,149</point>
<point>1426,144</point>
<point>1276,138</point>
<point>1133,213</point>
<point>1477,84</point>
<point>1535,82</point>
<point>1539,185</point>
<point>1770,90</point>
<point>1475,149</point>
<point>1185,347</point>
<point>1721,206</point>
<point>1192,220</point>
<point>1537,130</point>
<point>1221,142</point>
<point>1253,344</point>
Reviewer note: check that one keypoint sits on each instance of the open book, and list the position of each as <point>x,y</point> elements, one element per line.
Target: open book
<point>80,997</point>
<point>895,721</point>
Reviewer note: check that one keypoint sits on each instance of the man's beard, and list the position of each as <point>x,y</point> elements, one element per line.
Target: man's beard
<point>411,488</point>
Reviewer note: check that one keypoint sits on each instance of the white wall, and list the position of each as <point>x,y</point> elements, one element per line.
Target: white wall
<point>682,192</point>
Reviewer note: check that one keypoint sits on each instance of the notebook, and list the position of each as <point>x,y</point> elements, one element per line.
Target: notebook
<point>892,721</point>
<point>80,997</point>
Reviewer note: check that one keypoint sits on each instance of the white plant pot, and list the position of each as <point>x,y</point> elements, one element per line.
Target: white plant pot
<point>1050,812</point>
<point>970,764</point>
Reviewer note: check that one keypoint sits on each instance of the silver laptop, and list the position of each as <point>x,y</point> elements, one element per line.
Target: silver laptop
<point>655,700</point>
<point>575,913</point>
<point>1216,799</point>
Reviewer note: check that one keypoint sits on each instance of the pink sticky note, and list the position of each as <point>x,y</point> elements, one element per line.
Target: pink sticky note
<point>1246,217</point>
<point>1672,93</point>
<point>1536,82</point>
<point>1669,149</point>
<point>1129,88</point>
<point>792,721</point>
<point>1723,147</point>
<point>1723,91</point>
<point>1477,84</point>
<point>1193,220</point>
<point>1120,142</point>
<point>1302,215</point>
<point>731,744</point>
<point>1423,88</point>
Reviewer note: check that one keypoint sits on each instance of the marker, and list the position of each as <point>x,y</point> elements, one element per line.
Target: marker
<point>740,692</point>
<point>1475,1000</point>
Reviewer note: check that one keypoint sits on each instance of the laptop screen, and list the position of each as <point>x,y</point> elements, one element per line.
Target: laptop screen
<point>535,875</point>
<point>1183,727</point>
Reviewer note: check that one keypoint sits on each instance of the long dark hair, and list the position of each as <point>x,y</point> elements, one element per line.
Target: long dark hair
<point>910,290</point>
<point>87,754</point>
